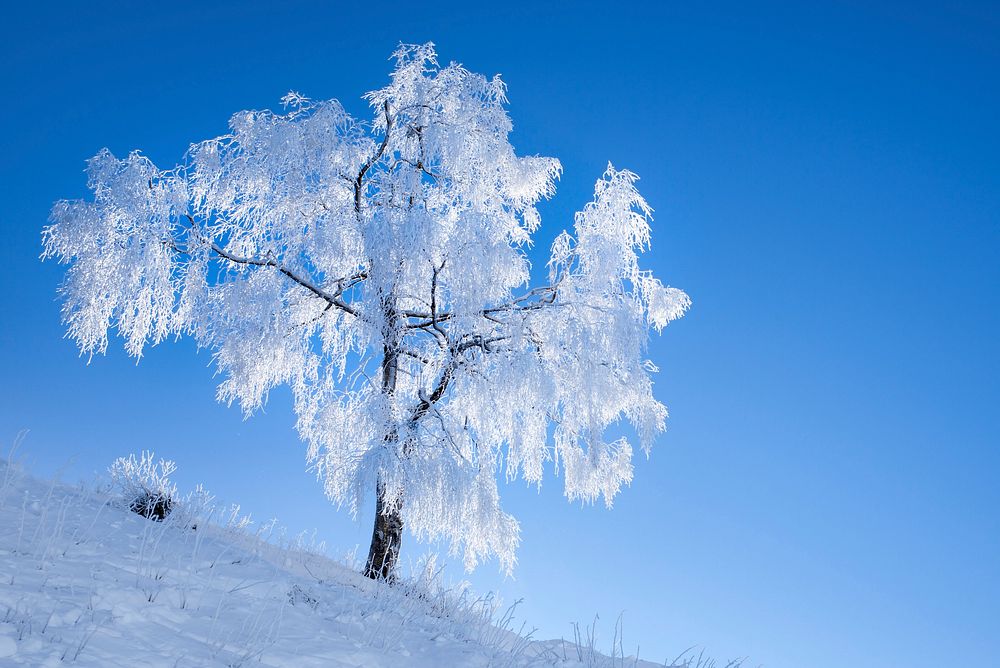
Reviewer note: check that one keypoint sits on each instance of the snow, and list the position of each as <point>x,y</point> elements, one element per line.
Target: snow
<point>86,582</point>
<point>7,647</point>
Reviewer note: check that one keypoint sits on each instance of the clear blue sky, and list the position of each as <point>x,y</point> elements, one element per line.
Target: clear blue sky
<point>827,189</point>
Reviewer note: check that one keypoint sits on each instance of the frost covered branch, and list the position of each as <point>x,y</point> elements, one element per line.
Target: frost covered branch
<point>359,182</point>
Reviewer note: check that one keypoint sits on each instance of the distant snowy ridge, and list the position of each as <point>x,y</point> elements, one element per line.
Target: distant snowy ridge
<point>85,582</point>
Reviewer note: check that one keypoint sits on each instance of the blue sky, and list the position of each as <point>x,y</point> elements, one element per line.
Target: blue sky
<point>827,189</point>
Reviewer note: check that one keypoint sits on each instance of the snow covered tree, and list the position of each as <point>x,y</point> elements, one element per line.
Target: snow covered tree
<point>379,270</point>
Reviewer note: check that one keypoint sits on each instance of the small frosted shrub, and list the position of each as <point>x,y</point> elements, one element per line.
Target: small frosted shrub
<point>144,486</point>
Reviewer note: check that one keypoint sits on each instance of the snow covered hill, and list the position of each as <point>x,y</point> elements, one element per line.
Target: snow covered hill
<point>85,582</point>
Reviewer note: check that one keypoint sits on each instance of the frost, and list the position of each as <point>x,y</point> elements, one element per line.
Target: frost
<point>143,486</point>
<point>378,269</point>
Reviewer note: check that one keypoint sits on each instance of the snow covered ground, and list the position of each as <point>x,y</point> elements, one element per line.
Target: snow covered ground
<point>85,582</point>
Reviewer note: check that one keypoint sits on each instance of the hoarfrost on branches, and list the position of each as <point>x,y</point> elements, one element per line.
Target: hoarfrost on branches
<point>379,270</point>
<point>143,486</point>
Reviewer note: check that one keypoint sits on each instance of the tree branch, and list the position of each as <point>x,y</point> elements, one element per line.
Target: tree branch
<point>334,299</point>
<point>426,402</point>
<point>434,317</point>
<point>516,304</point>
<point>359,182</point>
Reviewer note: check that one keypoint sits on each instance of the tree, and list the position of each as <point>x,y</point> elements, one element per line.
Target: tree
<point>379,270</point>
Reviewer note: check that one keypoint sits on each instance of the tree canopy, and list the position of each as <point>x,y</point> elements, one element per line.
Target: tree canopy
<point>379,270</point>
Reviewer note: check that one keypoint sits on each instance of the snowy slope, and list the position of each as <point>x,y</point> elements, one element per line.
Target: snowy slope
<point>85,582</point>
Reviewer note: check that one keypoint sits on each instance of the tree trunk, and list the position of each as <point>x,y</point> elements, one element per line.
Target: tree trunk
<point>387,535</point>
<point>386,539</point>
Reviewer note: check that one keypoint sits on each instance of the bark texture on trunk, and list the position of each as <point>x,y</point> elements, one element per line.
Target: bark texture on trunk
<point>387,535</point>
<point>386,539</point>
